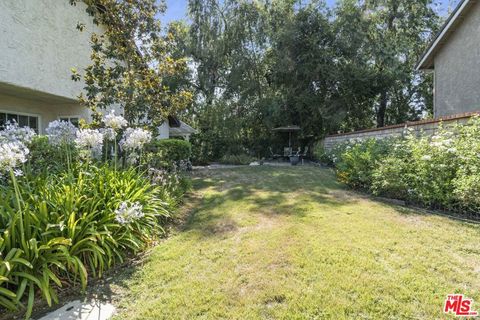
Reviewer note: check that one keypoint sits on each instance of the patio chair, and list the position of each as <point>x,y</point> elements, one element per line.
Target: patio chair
<point>287,152</point>
<point>274,155</point>
<point>304,154</point>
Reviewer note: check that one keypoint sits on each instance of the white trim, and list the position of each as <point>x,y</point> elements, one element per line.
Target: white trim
<point>69,117</point>
<point>37,115</point>
<point>440,37</point>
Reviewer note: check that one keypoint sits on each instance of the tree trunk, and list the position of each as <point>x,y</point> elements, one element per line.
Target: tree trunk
<point>382,109</point>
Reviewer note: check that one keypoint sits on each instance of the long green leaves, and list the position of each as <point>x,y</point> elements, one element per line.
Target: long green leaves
<point>58,230</point>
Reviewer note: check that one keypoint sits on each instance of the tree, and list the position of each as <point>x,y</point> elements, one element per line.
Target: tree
<point>396,28</point>
<point>266,63</point>
<point>132,64</point>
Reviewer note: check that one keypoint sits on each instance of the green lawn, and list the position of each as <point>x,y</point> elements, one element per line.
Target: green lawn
<point>291,243</point>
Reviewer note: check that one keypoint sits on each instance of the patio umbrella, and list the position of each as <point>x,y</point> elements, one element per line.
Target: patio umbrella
<point>289,129</point>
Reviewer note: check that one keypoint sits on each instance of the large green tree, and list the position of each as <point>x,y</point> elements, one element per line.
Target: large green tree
<point>396,30</point>
<point>133,61</point>
<point>266,63</point>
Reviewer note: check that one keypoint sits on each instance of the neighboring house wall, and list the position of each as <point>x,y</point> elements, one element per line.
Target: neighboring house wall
<point>424,127</point>
<point>457,68</point>
<point>39,44</point>
<point>164,131</point>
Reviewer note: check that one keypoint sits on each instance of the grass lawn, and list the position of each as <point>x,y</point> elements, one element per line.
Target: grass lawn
<point>291,243</point>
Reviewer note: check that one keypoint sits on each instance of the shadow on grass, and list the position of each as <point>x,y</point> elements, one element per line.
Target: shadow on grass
<point>107,289</point>
<point>264,190</point>
<point>267,191</point>
<point>412,210</point>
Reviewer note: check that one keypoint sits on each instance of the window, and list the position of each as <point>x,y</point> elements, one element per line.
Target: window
<point>75,120</point>
<point>23,120</point>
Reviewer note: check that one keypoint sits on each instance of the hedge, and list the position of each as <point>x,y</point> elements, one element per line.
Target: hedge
<point>439,172</point>
<point>166,152</point>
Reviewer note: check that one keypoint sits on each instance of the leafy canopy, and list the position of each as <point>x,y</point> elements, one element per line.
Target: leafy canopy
<point>134,64</point>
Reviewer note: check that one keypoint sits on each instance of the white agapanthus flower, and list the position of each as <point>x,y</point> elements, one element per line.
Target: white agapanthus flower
<point>90,140</point>
<point>114,122</point>
<point>127,213</point>
<point>447,142</point>
<point>135,139</point>
<point>60,132</point>
<point>109,134</point>
<point>426,158</point>
<point>132,158</point>
<point>13,133</point>
<point>12,154</point>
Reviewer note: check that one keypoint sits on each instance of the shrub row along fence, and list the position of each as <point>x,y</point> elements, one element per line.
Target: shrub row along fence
<point>439,171</point>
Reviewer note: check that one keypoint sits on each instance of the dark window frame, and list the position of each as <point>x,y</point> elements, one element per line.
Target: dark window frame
<point>14,115</point>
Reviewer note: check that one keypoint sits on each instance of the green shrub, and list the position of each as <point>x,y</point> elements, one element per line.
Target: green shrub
<point>322,155</point>
<point>466,183</point>
<point>47,158</point>
<point>441,171</point>
<point>237,159</point>
<point>355,164</point>
<point>58,230</point>
<point>173,183</point>
<point>433,170</point>
<point>166,152</point>
<point>389,178</point>
<point>70,207</point>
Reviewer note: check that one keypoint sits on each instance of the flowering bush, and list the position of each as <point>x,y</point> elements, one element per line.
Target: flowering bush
<point>90,142</point>
<point>133,142</point>
<point>64,220</point>
<point>356,159</point>
<point>13,133</point>
<point>70,226</point>
<point>391,176</point>
<point>126,213</point>
<point>135,139</point>
<point>466,183</point>
<point>114,122</point>
<point>320,154</point>
<point>61,132</point>
<point>12,155</point>
<point>13,148</point>
<point>441,171</point>
<point>172,182</point>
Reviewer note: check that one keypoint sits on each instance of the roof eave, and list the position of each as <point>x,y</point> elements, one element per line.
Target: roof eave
<point>426,61</point>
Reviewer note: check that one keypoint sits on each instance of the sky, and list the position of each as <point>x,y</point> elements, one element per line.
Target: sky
<point>176,9</point>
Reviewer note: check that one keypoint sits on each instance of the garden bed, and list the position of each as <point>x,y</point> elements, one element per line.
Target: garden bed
<point>78,202</point>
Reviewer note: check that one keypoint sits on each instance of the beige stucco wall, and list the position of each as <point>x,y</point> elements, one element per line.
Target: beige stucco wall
<point>39,44</point>
<point>457,69</point>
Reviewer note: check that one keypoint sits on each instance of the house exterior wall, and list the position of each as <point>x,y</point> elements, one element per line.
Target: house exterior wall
<point>44,109</point>
<point>39,44</point>
<point>457,65</point>
<point>164,131</point>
